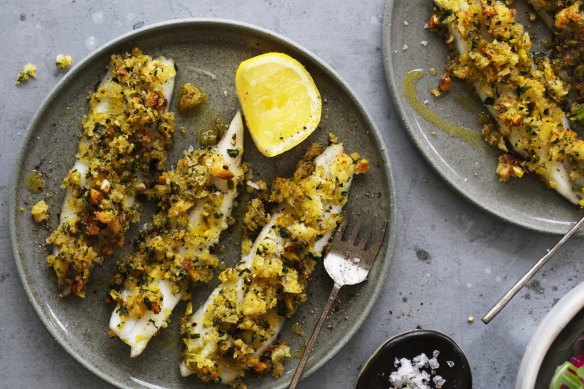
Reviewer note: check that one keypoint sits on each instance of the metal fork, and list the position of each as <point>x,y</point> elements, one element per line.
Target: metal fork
<point>347,263</point>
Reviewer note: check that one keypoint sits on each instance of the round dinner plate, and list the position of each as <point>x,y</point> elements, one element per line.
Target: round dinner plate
<point>460,156</point>
<point>206,53</point>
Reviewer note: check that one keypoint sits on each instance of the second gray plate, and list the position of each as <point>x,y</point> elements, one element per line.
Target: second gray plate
<point>460,156</point>
<point>207,53</point>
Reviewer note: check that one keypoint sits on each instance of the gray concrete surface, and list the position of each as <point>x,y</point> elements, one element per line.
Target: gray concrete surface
<point>451,260</point>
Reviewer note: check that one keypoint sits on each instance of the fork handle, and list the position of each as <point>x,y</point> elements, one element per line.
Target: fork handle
<point>302,364</point>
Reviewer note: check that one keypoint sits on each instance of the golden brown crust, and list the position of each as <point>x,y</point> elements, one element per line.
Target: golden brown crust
<point>126,131</point>
<point>524,94</point>
<point>240,319</point>
<point>174,247</point>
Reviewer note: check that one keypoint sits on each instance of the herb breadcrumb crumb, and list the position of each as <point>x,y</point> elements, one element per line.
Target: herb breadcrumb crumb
<point>190,97</point>
<point>40,212</point>
<point>255,216</point>
<point>28,71</point>
<point>63,61</point>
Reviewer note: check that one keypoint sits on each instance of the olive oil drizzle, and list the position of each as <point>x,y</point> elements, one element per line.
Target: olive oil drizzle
<point>34,182</point>
<point>471,137</point>
<point>297,330</point>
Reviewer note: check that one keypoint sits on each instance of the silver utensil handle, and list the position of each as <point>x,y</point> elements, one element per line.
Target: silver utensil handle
<point>300,368</point>
<point>525,279</point>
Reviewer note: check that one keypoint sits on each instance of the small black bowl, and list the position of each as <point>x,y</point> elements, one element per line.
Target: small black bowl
<point>376,371</point>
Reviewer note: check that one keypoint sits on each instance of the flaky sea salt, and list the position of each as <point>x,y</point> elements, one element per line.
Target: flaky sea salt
<point>420,361</point>
<point>413,374</point>
<point>404,373</point>
<point>344,271</point>
<point>433,364</point>
<point>438,381</point>
<point>404,47</point>
<point>424,43</point>
<point>252,184</point>
<point>450,363</point>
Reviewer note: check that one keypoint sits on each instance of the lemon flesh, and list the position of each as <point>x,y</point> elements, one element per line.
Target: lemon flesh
<point>280,102</point>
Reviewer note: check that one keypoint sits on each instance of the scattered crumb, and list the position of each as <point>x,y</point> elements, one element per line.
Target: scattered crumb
<point>40,212</point>
<point>190,97</point>
<point>333,138</point>
<point>445,83</point>
<point>63,61</point>
<point>362,166</point>
<point>28,71</point>
<point>532,17</point>
<point>470,319</point>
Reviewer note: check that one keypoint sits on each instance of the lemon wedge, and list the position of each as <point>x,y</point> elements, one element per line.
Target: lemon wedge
<point>280,102</point>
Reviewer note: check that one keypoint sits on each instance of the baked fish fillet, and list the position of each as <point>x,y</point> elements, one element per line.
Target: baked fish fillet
<point>494,57</point>
<point>196,200</point>
<point>126,132</point>
<point>566,20</point>
<point>237,327</point>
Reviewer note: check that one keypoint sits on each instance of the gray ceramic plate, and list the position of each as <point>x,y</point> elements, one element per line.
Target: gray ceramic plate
<point>466,162</point>
<point>207,53</point>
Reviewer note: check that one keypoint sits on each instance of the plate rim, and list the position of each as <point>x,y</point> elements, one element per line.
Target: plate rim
<point>57,333</point>
<point>392,83</point>
<point>545,334</point>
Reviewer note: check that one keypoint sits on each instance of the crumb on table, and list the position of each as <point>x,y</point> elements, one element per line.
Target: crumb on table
<point>28,71</point>
<point>63,61</point>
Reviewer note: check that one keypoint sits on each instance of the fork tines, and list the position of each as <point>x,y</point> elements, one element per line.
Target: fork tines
<point>368,244</point>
